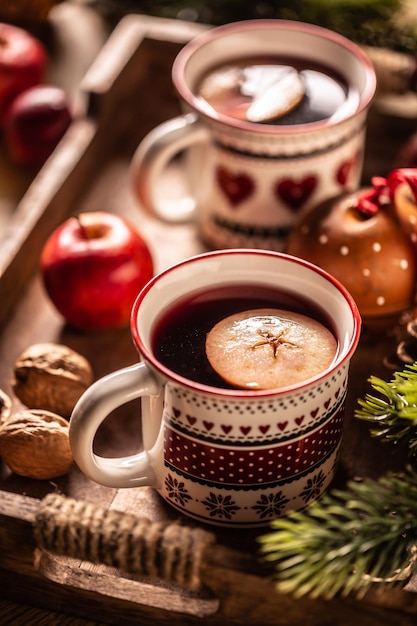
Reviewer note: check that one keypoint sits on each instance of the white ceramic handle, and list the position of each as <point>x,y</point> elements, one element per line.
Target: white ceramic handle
<point>97,402</point>
<point>153,155</point>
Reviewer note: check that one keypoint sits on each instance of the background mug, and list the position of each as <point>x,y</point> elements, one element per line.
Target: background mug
<point>249,181</point>
<point>225,456</point>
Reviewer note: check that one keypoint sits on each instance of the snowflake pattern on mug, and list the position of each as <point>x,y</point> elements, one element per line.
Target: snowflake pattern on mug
<point>176,490</point>
<point>270,505</point>
<point>220,506</point>
<point>223,507</point>
<point>314,487</point>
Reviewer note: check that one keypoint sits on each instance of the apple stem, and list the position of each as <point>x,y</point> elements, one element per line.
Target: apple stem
<point>82,227</point>
<point>383,190</point>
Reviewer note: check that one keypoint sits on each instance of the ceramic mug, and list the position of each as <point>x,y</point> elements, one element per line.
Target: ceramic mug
<point>249,181</point>
<point>226,456</point>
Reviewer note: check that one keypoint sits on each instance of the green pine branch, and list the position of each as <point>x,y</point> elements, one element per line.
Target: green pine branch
<point>365,534</point>
<point>393,410</point>
<point>348,540</point>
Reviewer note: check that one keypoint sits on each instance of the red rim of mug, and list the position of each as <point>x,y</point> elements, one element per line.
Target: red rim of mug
<point>188,96</point>
<point>148,355</point>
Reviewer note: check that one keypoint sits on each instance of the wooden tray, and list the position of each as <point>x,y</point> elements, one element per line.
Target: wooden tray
<point>73,36</point>
<point>129,92</point>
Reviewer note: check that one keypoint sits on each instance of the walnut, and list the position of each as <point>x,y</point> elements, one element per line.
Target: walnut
<point>5,406</point>
<point>52,377</point>
<point>35,444</point>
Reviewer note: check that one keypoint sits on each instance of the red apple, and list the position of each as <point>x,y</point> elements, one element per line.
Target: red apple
<point>35,122</point>
<point>23,62</point>
<point>93,267</point>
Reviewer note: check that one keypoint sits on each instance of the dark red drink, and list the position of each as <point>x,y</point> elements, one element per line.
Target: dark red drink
<point>314,92</point>
<point>180,334</point>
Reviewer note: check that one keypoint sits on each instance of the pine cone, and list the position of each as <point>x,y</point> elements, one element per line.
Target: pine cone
<point>406,350</point>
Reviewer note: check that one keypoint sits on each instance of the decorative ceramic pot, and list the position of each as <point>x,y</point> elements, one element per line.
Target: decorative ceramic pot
<point>366,239</point>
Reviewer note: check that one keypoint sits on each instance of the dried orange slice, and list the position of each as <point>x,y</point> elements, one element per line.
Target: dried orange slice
<point>269,348</point>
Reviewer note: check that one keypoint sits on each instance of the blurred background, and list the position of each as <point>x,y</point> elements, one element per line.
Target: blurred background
<point>381,23</point>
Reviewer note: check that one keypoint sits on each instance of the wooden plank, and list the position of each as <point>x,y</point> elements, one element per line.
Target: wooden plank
<point>228,592</point>
<point>33,202</point>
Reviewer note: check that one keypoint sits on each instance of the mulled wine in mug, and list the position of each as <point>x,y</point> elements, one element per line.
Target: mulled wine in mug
<point>244,360</point>
<point>274,122</point>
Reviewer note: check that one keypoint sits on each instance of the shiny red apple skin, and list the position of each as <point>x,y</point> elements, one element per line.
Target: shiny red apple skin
<point>35,123</point>
<point>23,61</point>
<point>93,266</point>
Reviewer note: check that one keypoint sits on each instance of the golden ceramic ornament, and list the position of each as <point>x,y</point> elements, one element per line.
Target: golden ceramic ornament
<point>361,240</point>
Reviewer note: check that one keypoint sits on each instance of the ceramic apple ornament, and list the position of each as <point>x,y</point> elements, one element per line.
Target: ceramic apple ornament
<point>362,240</point>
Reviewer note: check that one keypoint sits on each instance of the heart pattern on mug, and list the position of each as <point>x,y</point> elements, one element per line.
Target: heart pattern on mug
<point>239,187</point>
<point>264,429</point>
<point>225,429</point>
<point>245,430</point>
<point>236,187</point>
<point>345,170</point>
<point>295,193</point>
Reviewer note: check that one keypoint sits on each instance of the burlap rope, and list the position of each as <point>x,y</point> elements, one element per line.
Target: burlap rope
<point>164,550</point>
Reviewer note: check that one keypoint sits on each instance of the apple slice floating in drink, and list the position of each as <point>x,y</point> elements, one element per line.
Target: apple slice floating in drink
<point>221,83</point>
<point>256,93</point>
<point>275,91</point>
<point>269,348</point>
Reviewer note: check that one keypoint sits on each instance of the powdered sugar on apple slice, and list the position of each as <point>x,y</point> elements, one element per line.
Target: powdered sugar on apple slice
<point>221,83</point>
<point>269,348</point>
<point>222,91</point>
<point>275,90</point>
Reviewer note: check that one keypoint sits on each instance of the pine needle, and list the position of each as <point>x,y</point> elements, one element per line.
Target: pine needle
<point>349,540</point>
<point>393,411</point>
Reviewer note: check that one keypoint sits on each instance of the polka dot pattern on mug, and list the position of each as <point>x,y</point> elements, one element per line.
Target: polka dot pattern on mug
<point>254,466</point>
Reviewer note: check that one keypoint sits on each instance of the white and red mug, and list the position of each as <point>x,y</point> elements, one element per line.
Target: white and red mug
<point>224,456</point>
<point>248,182</point>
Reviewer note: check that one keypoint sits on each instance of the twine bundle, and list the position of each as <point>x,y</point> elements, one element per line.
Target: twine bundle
<point>163,550</point>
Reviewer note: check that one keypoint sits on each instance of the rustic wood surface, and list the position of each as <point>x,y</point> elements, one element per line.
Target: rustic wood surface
<point>130,91</point>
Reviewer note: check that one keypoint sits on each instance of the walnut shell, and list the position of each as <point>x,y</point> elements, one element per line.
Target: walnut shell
<point>5,406</point>
<point>52,377</point>
<point>35,444</point>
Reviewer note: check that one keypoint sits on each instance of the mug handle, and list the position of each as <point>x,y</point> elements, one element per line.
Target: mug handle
<point>96,403</point>
<point>154,154</point>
